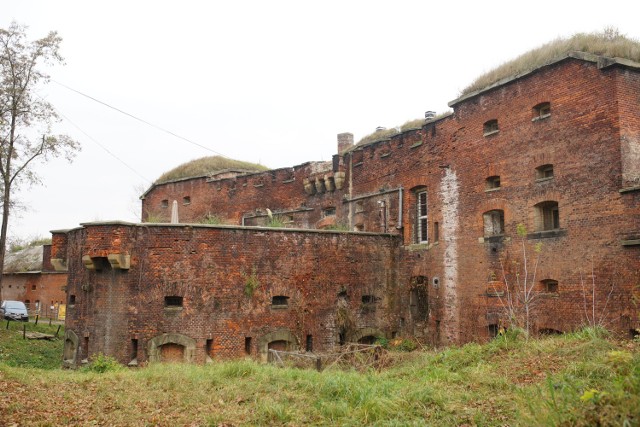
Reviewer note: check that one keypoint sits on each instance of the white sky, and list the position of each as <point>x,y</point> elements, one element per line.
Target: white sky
<point>272,82</point>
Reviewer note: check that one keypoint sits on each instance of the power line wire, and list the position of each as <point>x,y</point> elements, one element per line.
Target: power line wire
<point>103,147</point>
<point>139,119</point>
<point>97,142</point>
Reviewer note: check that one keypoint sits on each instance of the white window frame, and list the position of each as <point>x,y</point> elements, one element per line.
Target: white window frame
<point>422,226</point>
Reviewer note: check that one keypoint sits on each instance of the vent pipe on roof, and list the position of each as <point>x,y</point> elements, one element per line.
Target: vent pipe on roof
<point>429,115</point>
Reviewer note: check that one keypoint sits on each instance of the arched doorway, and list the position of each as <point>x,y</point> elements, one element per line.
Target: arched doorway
<point>171,348</point>
<point>282,340</point>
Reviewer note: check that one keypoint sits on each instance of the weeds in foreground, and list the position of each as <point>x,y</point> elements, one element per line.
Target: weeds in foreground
<point>574,379</point>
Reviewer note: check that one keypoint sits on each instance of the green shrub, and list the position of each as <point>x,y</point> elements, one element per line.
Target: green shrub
<point>101,364</point>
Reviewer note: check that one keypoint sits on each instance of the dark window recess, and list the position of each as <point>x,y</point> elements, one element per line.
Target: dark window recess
<point>493,330</point>
<point>164,203</point>
<point>490,127</point>
<point>550,286</point>
<point>34,287</point>
<point>369,299</point>
<point>186,200</point>
<point>436,232</point>
<point>547,216</point>
<point>492,182</point>
<point>247,345</point>
<point>544,172</point>
<point>341,338</point>
<point>72,299</point>
<point>359,206</point>
<point>85,348</point>
<point>208,349</point>
<point>134,349</point>
<point>541,111</point>
<point>309,343</point>
<point>280,301</point>
<point>493,223</point>
<point>418,299</point>
<point>173,301</point>
<point>329,212</point>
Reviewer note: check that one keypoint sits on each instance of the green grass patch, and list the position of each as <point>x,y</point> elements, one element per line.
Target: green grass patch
<point>30,353</point>
<point>609,43</point>
<point>574,379</point>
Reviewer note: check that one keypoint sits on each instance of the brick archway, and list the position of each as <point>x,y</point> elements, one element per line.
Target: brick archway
<point>174,342</point>
<point>70,352</point>
<point>366,332</point>
<point>276,337</point>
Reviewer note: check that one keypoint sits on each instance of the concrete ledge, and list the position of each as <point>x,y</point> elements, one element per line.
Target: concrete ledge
<point>547,234</point>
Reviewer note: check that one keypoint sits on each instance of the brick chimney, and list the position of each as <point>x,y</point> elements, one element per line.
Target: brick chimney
<point>345,141</point>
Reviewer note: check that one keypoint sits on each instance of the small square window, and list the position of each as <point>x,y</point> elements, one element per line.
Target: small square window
<point>186,200</point>
<point>329,212</point>
<point>359,206</point>
<point>541,111</point>
<point>280,301</point>
<point>369,299</point>
<point>490,127</point>
<point>173,301</point>
<point>164,203</point>
<point>544,172</point>
<point>34,287</point>
<point>492,183</point>
<point>550,286</point>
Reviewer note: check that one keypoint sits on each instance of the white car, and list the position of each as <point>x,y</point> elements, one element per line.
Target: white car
<point>14,310</point>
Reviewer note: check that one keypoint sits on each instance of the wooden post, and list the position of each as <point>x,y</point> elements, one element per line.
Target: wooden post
<point>37,316</point>
<point>49,321</point>
<point>318,364</point>
<point>8,323</point>
<point>24,332</point>
<point>58,331</point>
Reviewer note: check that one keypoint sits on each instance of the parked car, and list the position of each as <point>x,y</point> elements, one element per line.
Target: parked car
<point>14,310</point>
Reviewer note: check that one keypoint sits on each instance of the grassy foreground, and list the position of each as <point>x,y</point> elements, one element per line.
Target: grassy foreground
<point>576,379</point>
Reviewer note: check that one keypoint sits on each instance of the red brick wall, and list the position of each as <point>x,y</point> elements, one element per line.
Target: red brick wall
<point>209,267</point>
<point>590,139</point>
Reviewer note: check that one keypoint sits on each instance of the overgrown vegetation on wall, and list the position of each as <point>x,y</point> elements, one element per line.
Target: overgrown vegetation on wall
<point>207,166</point>
<point>609,43</point>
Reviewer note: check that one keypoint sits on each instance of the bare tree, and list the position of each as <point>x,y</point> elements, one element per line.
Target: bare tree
<point>25,118</point>
<point>520,295</point>
<point>594,316</point>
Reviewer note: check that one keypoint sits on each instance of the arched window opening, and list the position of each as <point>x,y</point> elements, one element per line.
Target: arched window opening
<point>493,223</point>
<point>547,216</point>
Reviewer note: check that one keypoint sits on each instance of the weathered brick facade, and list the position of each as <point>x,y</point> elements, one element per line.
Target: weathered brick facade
<point>433,214</point>
<point>39,286</point>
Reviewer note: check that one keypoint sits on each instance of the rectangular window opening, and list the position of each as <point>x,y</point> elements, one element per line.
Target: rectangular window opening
<point>173,301</point>
<point>208,348</point>
<point>134,349</point>
<point>280,301</point>
<point>247,345</point>
<point>309,343</point>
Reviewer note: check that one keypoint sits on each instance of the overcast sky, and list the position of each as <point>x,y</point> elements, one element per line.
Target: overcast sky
<point>271,82</point>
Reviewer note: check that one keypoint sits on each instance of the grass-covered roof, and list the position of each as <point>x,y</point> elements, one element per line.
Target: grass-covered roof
<point>609,43</point>
<point>207,166</point>
<point>382,134</point>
